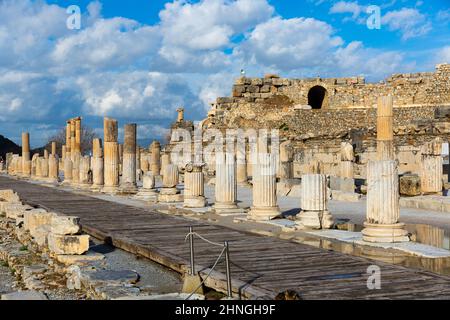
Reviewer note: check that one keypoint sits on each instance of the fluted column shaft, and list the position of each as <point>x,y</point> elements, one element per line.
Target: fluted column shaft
<point>264,188</point>
<point>111,155</point>
<point>314,192</point>
<point>226,183</point>
<point>383,210</point>
<point>431,170</point>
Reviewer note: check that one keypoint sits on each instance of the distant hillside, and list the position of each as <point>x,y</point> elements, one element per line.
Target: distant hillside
<point>7,145</point>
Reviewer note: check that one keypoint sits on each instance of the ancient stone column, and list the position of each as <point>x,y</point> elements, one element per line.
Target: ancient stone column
<point>85,167</point>
<point>165,160</point>
<point>72,139</point>
<point>431,170</point>
<point>194,188</point>
<point>383,211</point>
<point>128,183</point>
<point>385,133</point>
<point>78,135</point>
<point>144,163</point>
<point>97,165</point>
<point>138,164</point>
<point>148,191</point>
<point>38,174</point>
<point>34,161</point>
<point>45,154</point>
<point>54,148</point>
<point>180,116</point>
<point>314,202</point>
<point>111,156</point>
<point>63,151</point>
<point>76,168</point>
<point>19,166</point>
<point>26,156</point>
<point>226,184</point>
<point>169,192</point>
<point>155,166</point>
<point>241,167</point>
<point>346,181</point>
<point>53,168</point>
<point>286,165</point>
<point>120,146</point>
<point>44,168</point>
<point>68,166</point>
<point>265,205</point>
<point>68,142</point>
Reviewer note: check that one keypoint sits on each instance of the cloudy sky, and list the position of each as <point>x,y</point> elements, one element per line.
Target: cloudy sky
<point>139,60</point>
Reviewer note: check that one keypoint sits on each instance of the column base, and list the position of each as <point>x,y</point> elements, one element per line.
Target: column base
<point>110,190</point>
<point>170,198</point>
<point>147,195</point>
<point>128,188</point>
<point>194,202</point>
<point>385,233</point>
<point>310,219</point>
<point>326,220</point>
<point>227,209</point>
<point>263,213</point>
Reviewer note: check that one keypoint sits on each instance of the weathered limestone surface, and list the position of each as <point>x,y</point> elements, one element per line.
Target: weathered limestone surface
<point>385,133</point>
<point>148,191</point>
<point>26,156</point>
<point>431,170</point>
<point>67,170</point>
<point>226,184</point>
<point>53,168</point>
<point>155,165</point>
<point>65,225</point>
<point>97,165</point>
<point>265,205</point>
<point>169,192</point>
<point>383,211</point>
<point>128,183</point>
<point>111,156</point>
<point>194,189</point>
<point>410,185</point>
<point>314,202</point>
<point>68,244</point>
<point>85,167</point>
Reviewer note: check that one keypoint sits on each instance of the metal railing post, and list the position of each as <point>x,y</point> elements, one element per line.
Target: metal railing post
<point>227,262</point>
<point>191,245</point>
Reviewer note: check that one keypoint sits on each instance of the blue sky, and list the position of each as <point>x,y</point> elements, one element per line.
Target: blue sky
<point>139,60</point>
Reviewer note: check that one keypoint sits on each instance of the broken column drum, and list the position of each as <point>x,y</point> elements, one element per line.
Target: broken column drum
<point>85,167</point>
<point>169,192</point>
<point>314,202</point>
<point>383,210</point>
<point>148,191</point>
<point>431,170</point>
<point>194,189</point>
<point>53,168</point>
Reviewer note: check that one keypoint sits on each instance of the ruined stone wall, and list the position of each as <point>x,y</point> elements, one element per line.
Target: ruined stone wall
<point>408,89</point>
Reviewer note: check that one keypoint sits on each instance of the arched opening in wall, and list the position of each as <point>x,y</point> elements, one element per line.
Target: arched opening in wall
<point>317,97</point>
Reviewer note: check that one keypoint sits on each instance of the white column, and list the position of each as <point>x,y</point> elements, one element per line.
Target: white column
<point>226,184</point>
<point>431,171</point>
<point>194,189</point>
<point>53,168</point>
<point>265,205</point>
<point>383,211</point>
<point>314,202</point>
<point>148,191</point>
<point>85,167</point>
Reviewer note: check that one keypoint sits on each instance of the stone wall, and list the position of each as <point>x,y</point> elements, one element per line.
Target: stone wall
<point>334,93</point>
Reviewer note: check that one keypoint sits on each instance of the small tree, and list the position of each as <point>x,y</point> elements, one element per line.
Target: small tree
<point>87,135</point>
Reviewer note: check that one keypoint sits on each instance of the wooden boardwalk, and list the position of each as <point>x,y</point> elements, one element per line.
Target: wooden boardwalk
<point>261,266</point>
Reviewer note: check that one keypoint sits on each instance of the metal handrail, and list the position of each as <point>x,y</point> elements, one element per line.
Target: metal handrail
<point>225,250</point>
